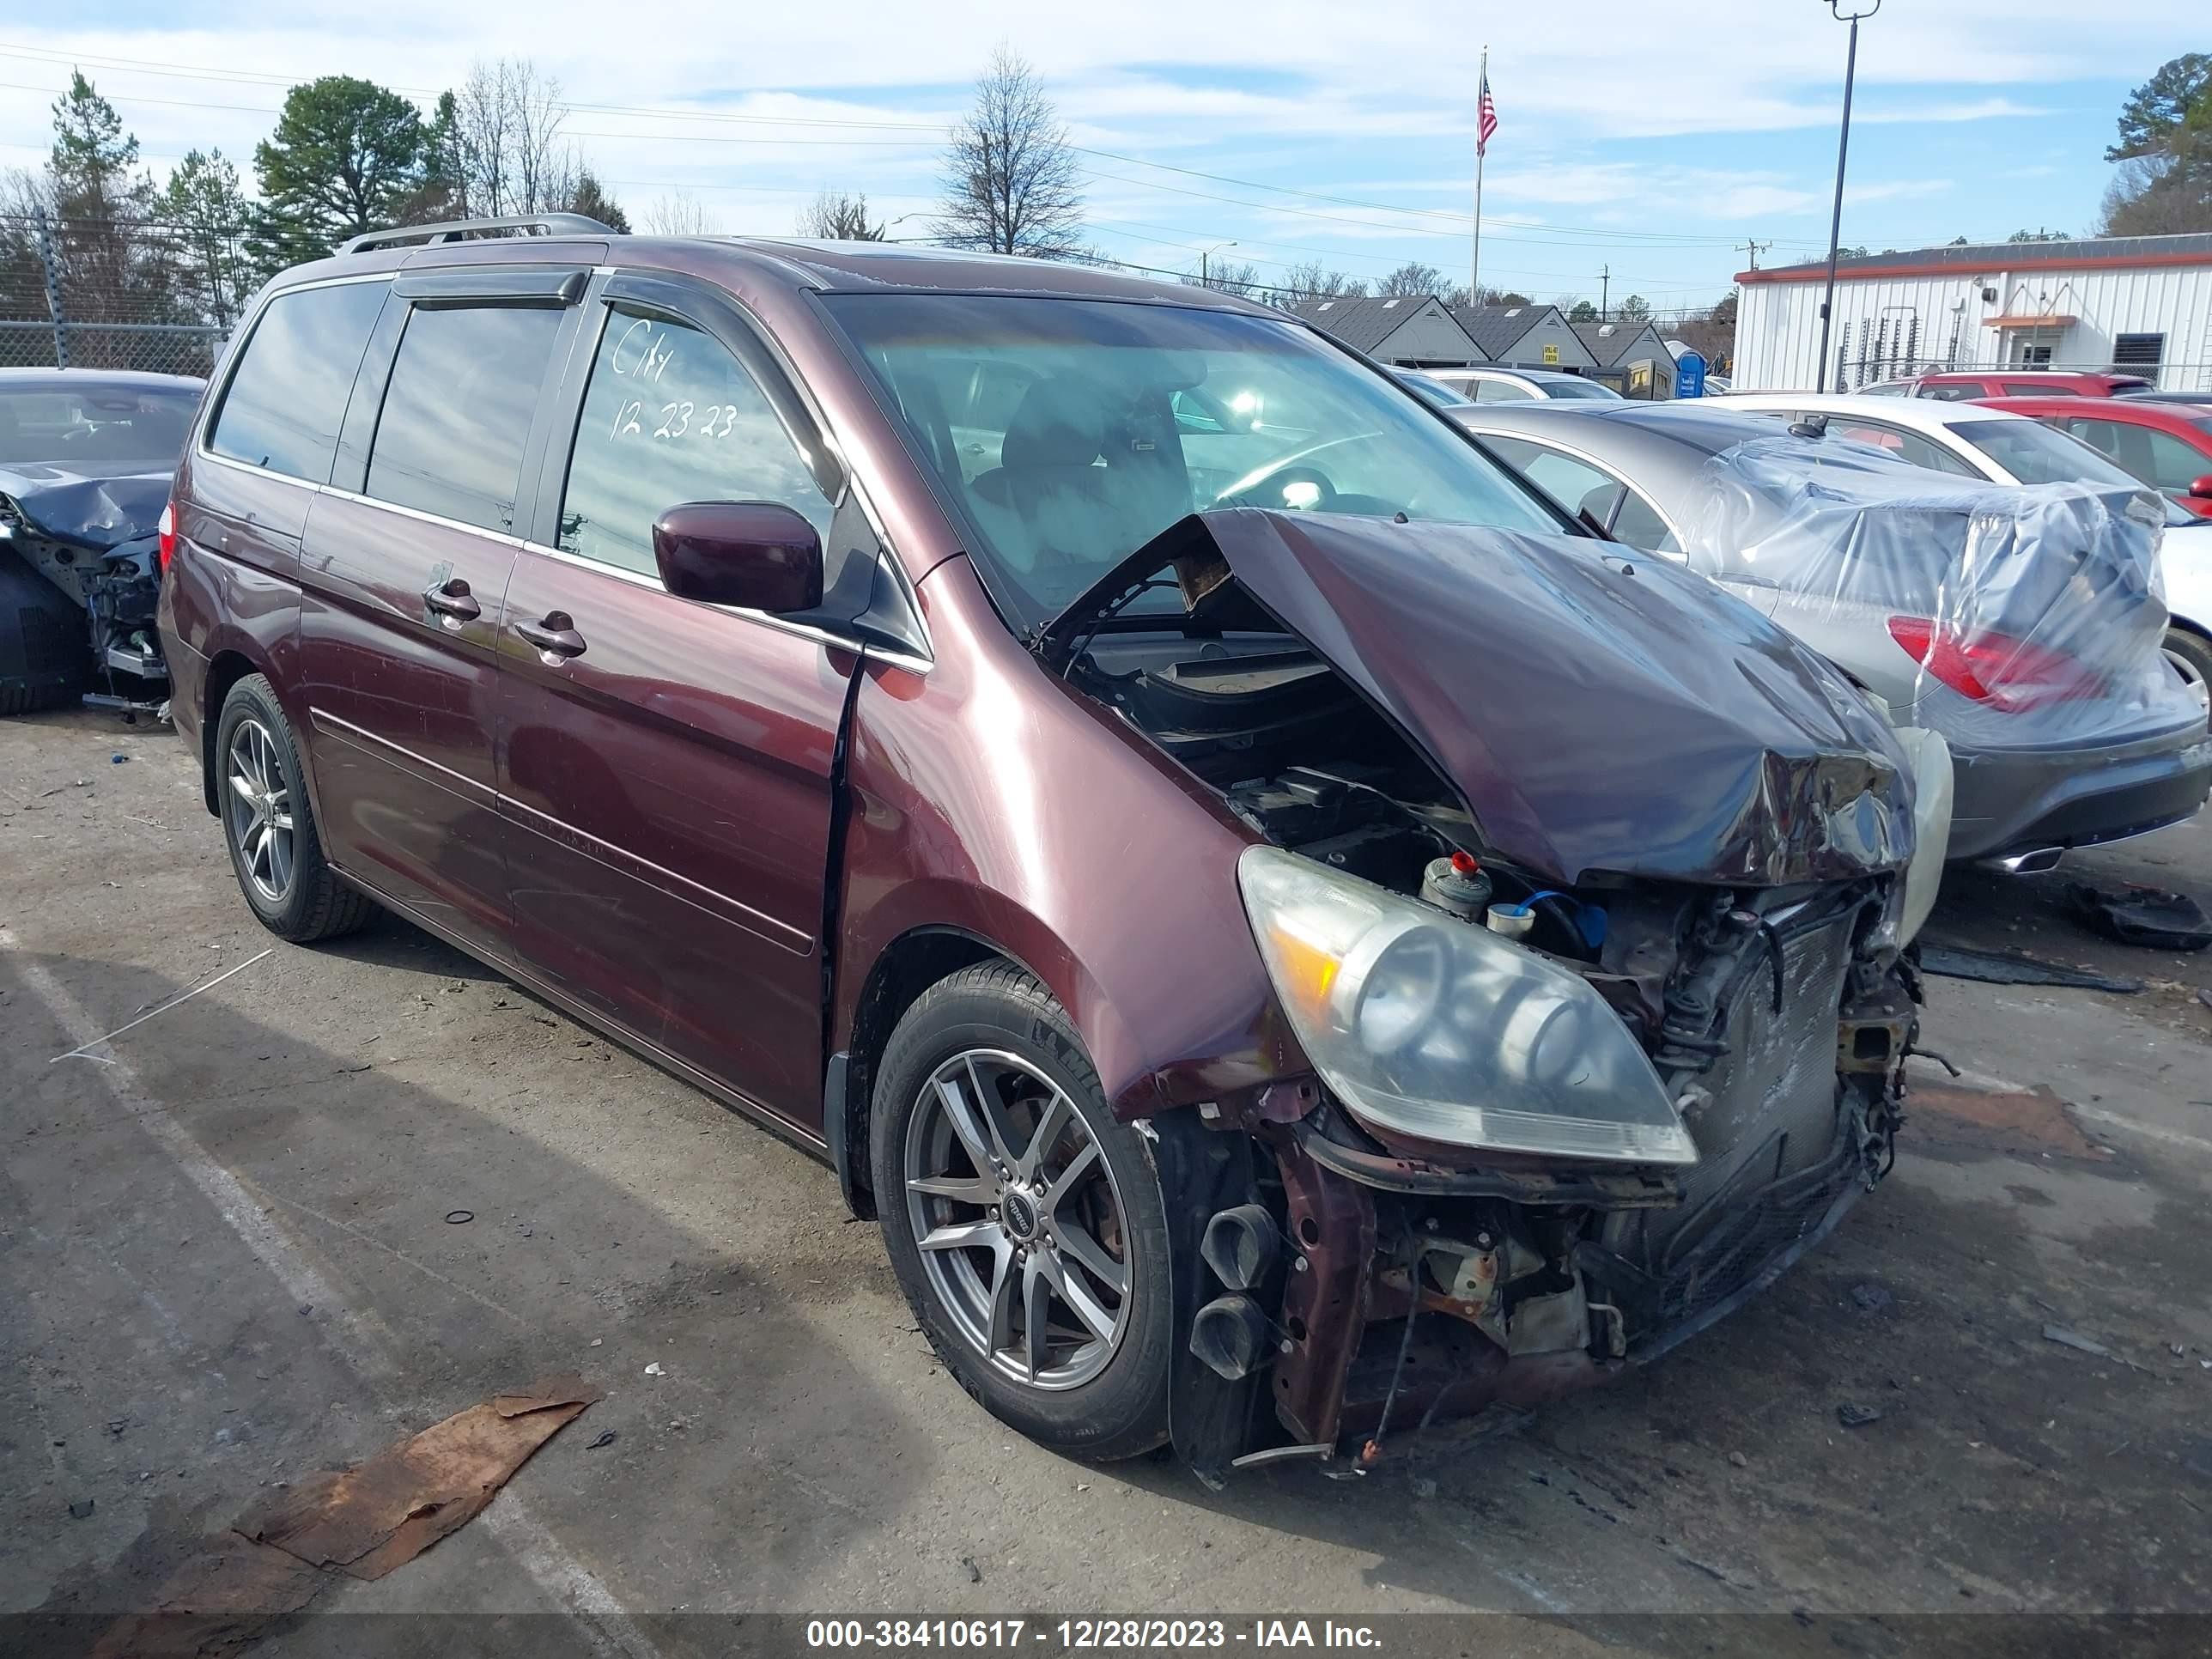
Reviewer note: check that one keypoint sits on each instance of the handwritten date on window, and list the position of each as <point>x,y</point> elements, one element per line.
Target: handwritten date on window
<point>644,354</point>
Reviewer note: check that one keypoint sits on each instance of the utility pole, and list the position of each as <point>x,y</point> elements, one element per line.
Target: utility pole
<point>1754,249</point>
<point>1204,266</point>
<point>1604,289</point>
<point>1843,151</point>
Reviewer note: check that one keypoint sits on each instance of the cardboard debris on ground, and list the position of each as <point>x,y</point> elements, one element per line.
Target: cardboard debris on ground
<point>361,1523</point>
<point>2031,1122</point>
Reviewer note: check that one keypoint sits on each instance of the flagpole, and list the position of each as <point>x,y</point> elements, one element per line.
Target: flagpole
<point>1474,254</point>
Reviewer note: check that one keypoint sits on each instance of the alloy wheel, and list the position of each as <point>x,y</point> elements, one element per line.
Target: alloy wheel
<point>1022,1232</point>
<point>258,803</point>
<point>2191,677</point>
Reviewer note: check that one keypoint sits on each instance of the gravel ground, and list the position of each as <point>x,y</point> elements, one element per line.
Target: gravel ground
<point>227,1262</point>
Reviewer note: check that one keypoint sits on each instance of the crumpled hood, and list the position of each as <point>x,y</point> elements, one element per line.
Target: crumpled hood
<point>92,512</point>
<point>1591,719</point>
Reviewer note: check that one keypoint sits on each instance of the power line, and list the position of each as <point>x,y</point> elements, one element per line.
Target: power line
<point>1458,219</point>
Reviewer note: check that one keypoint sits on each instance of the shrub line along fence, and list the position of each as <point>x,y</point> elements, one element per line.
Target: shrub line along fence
<point>116,292</point>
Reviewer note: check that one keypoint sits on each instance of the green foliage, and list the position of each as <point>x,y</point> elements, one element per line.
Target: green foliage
<point>92,157</point>
<point>2164,181</point>
<point>1584,312</point>
<point>590,198</point>
<point>1635,308</point>
<point>2154,111</point>
<point>209,211</point>
<point>346,155</point>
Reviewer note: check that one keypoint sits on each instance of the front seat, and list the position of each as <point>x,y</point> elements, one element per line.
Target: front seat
<point>1047,496</point>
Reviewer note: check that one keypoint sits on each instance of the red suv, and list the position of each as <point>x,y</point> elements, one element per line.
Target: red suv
<point>1960,385</point>
<point>1231,878</point>
<point>2166,445</point>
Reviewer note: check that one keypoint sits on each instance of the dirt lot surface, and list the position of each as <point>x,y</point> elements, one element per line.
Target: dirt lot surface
<point>344,1192</point>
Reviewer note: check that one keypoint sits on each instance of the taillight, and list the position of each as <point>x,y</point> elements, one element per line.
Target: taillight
<point>166,546</point>
<point>2008,675</point>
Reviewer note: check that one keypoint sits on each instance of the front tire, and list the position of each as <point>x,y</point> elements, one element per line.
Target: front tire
<point>269,825</point>
<point>1024,1224</point>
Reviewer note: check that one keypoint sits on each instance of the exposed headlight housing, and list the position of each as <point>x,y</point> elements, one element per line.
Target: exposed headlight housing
<point>1435,1028</point>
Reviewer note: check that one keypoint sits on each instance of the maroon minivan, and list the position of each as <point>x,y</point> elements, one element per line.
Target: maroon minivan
<point>1224,869</point>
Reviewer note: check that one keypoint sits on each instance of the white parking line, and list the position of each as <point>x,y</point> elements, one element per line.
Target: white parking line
<point>364,1344</point>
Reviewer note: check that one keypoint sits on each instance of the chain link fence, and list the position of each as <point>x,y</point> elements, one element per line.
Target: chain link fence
<point>112,293</point>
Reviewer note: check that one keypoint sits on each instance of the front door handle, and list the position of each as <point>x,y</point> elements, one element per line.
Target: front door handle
<point>555,637</point>
<point>452,599</point>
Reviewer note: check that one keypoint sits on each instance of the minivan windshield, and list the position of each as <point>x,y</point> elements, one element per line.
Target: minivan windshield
<point>1072,432</point>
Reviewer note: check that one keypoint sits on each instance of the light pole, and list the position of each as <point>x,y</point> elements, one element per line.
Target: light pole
<point>1842,150</point>
<point>1205,270</point>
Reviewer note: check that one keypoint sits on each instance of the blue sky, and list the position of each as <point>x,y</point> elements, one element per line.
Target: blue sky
<point>1650,138</point>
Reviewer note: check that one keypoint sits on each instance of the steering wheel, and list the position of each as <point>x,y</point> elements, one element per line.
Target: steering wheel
<point>1294,489</point>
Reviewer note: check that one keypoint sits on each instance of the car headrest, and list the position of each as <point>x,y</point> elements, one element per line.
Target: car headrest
<point>1055,424</point>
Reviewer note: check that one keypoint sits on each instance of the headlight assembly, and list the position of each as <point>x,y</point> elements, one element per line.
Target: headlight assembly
<point>1436,1028</point>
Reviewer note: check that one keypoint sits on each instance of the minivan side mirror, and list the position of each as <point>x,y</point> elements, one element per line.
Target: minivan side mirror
<point>760,556</point>
<point>2201,488</point>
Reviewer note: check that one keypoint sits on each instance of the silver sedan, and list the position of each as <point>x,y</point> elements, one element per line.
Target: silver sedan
<point>2027,787</point>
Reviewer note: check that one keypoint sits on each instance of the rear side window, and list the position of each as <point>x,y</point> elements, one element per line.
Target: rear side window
<point>287,397</point>
<point>457,415</point>
<point>671,417</point>
<point>1574,484</point>
<point>1905,446</point>
<point>1501,392</point>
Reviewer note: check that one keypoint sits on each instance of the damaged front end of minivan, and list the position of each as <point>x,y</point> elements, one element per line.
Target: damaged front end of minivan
<point>1584,893</point>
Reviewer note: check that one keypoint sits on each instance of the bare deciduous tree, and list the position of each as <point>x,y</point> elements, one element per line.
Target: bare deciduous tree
<point>1239,277</point>
<point>835,216</point>
<point>1312,279</point>
<point>500,143</point>
<point>1012,184</point>
<point>679,214</point>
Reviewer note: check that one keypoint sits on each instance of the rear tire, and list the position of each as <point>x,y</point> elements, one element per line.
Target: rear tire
<point>1060,1200</point>
<point>269,825</point>
<point>30,699</point>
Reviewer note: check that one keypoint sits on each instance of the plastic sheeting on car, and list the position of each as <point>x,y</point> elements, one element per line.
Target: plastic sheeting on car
<point>2032,614</point>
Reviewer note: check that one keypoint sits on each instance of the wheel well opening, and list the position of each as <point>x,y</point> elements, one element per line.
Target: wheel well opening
<point>909,966</point>
<point>224,670</point>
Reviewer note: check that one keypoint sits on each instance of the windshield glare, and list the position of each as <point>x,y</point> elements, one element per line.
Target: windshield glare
<point>95,425</point>
<point>1072,432</point>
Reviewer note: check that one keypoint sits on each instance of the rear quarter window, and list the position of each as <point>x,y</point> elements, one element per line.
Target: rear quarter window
<point>287,398</point>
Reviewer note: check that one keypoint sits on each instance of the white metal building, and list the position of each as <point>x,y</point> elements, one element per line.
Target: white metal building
<point>2143,304</point>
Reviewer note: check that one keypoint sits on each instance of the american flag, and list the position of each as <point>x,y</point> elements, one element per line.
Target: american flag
<point>1486,120</point>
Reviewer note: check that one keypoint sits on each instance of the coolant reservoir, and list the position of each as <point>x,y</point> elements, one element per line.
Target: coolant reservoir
<point>1930,757</point>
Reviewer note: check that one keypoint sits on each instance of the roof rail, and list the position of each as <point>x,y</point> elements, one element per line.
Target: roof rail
<point>455,230</point>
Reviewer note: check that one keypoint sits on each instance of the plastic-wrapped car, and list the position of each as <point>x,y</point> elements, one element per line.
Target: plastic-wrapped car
<point>85,460</point>
<point>2024,622</point>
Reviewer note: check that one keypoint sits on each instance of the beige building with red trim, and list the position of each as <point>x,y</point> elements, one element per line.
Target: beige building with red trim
<point>2143,304</point>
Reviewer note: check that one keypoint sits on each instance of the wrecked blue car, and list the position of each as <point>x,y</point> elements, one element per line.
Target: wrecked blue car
<point>85,460</point>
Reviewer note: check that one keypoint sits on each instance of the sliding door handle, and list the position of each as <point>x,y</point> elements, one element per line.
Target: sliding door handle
<point>452,599</point>
<point>556,638</point>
